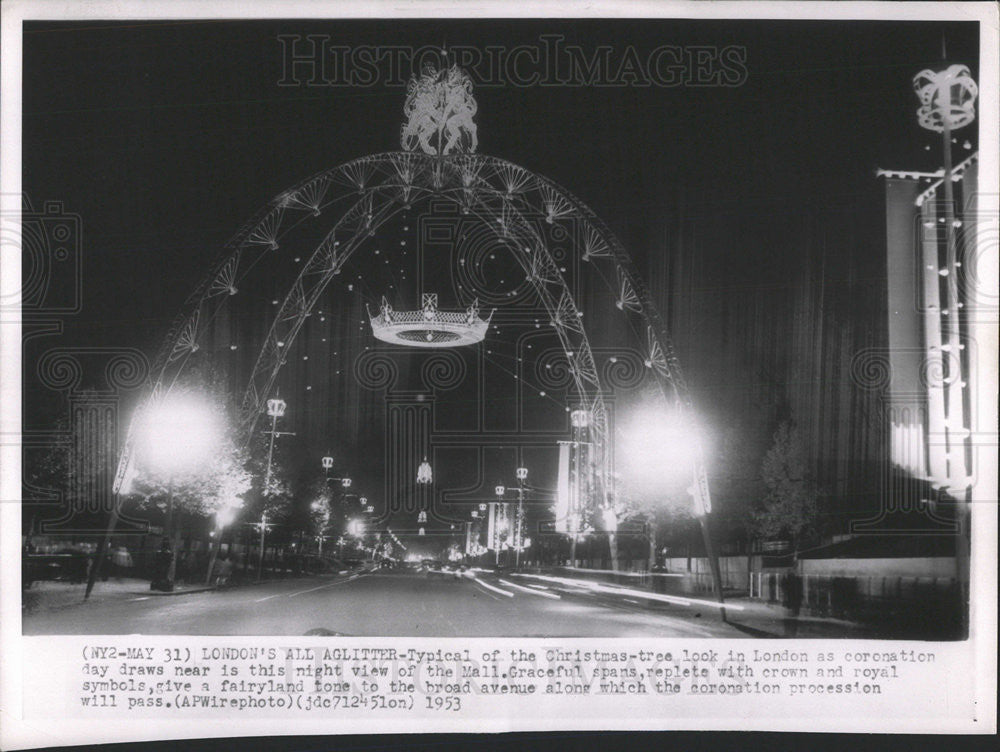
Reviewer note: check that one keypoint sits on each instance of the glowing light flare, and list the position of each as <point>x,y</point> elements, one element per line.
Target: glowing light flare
<point>181,434</point>
<point>659,447</point>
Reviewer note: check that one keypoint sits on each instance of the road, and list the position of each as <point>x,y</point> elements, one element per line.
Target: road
<point>389,603</point>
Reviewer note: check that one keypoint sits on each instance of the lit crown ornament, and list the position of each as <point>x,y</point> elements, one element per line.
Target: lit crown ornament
<point>429,327</point>
<point>439,110</point>
<point>947,98</point>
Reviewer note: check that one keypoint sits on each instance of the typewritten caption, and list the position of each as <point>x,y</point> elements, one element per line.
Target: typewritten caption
<point>127,675</point>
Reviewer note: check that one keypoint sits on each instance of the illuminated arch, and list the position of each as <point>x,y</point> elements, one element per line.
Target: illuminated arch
<point>366,193</point>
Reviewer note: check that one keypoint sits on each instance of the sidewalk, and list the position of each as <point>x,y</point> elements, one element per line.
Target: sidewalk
<point>45,595</point>
<point>759,619</point>
<point>752,617</point>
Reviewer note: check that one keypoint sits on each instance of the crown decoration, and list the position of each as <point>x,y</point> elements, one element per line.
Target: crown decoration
<point>947,98</point>
<point>429,327</point>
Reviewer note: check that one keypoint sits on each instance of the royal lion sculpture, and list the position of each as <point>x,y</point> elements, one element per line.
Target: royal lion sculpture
<point>439,110</point>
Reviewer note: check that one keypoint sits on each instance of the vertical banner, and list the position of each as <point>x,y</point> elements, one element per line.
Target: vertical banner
<point>562,489</point>
<point>491,527</point>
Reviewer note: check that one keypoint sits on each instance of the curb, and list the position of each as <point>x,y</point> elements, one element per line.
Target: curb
<point>162,593</point>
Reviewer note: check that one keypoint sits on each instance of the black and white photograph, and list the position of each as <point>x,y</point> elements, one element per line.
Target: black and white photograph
<point>497,327</point>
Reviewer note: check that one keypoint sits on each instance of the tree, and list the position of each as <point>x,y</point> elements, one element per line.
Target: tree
<point>790,506</point>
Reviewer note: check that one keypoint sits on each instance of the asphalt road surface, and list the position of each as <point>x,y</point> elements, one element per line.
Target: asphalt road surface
<point>388,603</point>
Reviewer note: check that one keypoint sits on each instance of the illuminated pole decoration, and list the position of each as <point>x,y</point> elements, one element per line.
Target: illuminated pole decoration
<point>425,475</point>
<point>522,475</point>
<point>580,423</point>
<point>275,409</point>
<point>948,103</point>
<point>497,520</point>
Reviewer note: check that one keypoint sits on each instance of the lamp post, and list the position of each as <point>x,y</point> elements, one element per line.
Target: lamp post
<point>263,525</point>
<point>497,516</point>
<point>223,517</point>
<point>275,409</point>
<point>522,475</point>
<point>580,422</point>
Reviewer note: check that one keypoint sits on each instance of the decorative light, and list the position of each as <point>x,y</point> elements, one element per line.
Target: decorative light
<point>345,482</point>
<point>499,490</point>
<point>579,418</point>
<point>276,407</point>
<point>424,473</point>
<point>947,98</point>
<point>179,433</point>
<point>610,519</point>
<point>327,462</point>
<point>429,327</point>
<point>522,473</point>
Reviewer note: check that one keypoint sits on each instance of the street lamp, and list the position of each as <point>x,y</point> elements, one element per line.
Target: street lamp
<point>179,433</point>
<point>263,525</point>
<point>659,444</point>
<point>327,463</point>
<point>224,516</point>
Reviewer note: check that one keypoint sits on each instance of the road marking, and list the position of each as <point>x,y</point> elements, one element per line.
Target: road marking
<point>494,589</point>
<point>300,592</point>
<point>531,590</point>
<point>143,598</point>
<point>329,584</point>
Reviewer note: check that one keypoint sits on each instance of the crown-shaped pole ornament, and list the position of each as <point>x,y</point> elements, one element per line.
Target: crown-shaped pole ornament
<point>439,112</point>
<point>947,98</point>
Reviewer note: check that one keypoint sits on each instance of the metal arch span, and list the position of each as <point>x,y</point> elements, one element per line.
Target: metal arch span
<point>499,192</point>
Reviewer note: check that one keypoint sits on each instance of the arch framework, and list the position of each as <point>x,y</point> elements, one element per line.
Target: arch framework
<point>364,194</point>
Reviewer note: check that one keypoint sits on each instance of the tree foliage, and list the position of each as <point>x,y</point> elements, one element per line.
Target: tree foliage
<point>790,506</point>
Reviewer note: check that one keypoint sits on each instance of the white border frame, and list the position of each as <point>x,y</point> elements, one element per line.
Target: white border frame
<point>16,733</point>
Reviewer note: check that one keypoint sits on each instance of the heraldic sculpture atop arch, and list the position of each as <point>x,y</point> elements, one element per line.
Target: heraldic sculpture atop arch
<point>438,162</point>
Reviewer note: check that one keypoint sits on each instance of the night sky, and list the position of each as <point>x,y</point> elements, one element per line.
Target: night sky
<point>166,137</point>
